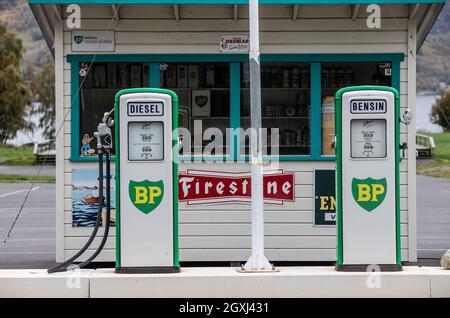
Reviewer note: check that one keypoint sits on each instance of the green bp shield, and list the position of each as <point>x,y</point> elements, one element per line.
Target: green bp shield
<point>146,195</point>
<point>369,193</point>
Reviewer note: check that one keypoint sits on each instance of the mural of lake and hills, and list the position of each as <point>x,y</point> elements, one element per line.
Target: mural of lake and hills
<point>85,197</point>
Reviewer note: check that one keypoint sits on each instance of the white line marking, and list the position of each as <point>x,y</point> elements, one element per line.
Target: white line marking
<point>17,192</point>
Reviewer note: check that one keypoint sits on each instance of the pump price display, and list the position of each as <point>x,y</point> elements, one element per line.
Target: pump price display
<point>145,141</point>
<point>368,138</point>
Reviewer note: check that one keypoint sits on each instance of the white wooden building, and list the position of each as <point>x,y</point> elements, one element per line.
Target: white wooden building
<point>308,50</point>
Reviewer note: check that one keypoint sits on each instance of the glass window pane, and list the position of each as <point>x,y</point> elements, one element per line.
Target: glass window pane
<point>285,105</point>
<point>203,91</point>
<point>99,83</point>
<point>338,75</point>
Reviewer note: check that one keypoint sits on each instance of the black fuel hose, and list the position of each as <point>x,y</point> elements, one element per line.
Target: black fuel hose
<point>64,266</point>
<point>108,214</point>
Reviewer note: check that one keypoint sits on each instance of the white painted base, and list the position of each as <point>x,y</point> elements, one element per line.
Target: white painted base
<point>227,282</point>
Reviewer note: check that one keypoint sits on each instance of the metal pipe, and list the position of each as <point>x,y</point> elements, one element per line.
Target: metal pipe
<point>257,260</point>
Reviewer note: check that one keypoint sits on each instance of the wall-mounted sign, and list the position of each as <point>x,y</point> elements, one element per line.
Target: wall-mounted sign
<point>324,197</point>
<point>197,187</point>
<point>234,44</point>
<point>93,41</point>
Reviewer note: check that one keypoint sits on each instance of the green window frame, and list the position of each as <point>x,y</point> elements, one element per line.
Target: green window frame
<point>235,61</point>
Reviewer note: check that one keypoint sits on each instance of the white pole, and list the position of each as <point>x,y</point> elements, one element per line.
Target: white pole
<point>257,261</point>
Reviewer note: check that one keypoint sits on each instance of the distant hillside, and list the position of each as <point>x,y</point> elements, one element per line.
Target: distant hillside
<point>433,60</point>
<point>16,15</point>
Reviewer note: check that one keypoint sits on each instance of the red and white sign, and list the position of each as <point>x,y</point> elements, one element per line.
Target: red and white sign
<point>218,187</point>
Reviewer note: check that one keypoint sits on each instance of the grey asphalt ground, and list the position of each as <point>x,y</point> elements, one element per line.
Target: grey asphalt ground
<point>32,240</point>
<point>433,216</point>
<point>28,170</point>
<point>31,243</point>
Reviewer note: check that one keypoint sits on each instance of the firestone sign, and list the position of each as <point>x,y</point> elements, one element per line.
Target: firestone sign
<point>197,187</point>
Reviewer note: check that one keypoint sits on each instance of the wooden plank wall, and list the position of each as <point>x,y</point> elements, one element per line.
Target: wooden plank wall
<point>222,233</point>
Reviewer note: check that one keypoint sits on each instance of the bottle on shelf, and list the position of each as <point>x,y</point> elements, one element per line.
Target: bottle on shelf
<point>299,136</point>
<point>286,78</point>
<point>295,77</point>
<point>274,77</point>
<point>340,78</point>
<point>325,78</point>
<point>349,78</point>
<point>304,78</point>
<point>333,82</point>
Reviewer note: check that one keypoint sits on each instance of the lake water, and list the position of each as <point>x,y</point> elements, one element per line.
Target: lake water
<point>423,109</point>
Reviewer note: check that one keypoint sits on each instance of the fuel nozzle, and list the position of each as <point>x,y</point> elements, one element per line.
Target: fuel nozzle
<point>103,133</point>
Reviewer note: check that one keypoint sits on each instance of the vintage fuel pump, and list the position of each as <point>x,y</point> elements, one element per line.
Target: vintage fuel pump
<point>368,194</point>
<point>146,182</point>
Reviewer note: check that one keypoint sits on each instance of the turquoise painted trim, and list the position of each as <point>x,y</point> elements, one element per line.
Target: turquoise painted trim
<point>315,127</point>
<point>395,80</point>
<point>290,158</point>
<point>155,59</point>
<point>235,107</point>
<point>154,80</point>
<point>397,177</point>
<point>75,115</point>
<point>370,57</point>
<point>228,2</point>
<point>363,57</point>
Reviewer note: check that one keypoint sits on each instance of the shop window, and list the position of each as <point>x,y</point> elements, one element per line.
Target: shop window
<point>203,91</point>
<point>99,83</point>
<point>338,75</point>
<point>285,104</point>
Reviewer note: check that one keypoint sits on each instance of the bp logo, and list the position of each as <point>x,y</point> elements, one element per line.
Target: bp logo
<point>78,39</point>
<point>369,193</point>
<point>146,195</point>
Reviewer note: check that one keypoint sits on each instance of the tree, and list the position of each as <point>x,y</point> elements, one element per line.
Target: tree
<point>440,112</point>
<point>44,90</point>
<point>14,94</point>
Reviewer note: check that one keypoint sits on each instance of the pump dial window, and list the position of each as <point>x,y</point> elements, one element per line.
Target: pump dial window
<point>145,141</point>
<point>368,138</point>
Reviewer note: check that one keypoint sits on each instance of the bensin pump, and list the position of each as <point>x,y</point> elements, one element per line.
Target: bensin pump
<point>147,190</point>
<point>368,191</point>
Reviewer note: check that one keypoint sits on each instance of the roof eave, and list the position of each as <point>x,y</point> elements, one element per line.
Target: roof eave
<point>46,24</point>
<point>427,23</point>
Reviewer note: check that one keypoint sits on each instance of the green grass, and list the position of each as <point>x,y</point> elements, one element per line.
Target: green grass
<point>13,178</point>
<point>440,165</point>
<point>16,156</point>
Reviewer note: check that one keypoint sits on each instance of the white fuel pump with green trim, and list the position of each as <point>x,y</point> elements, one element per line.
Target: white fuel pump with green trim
<point>368,190</point>
<point>146,181</point>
